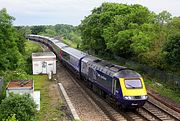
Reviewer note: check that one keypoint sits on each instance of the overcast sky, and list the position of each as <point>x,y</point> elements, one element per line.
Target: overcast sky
<point>51,12</point>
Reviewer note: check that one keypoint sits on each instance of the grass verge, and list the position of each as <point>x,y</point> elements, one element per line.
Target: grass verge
<point>163,89</point>
<point>50,108</point>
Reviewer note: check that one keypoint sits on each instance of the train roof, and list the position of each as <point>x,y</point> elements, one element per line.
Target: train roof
<point>54,40</point>
<point>127,73</point>
<point>61,45</point>
<point>114,70</point>
<point>90,58</point>
<point>74,52</point>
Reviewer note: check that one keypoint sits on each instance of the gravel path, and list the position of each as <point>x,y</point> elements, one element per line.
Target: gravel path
<point>85,107</point>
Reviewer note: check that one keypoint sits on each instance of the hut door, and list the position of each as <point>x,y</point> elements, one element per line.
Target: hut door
<point>44,67</point>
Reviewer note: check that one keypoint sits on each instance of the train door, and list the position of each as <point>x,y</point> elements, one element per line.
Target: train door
<point>115,86</point>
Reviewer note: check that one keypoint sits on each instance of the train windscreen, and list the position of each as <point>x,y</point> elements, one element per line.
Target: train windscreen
<point>133,83</point>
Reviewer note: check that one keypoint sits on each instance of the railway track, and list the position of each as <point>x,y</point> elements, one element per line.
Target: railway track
<point>86,108</point>
<point>152,111</point>
<point>113,112</point>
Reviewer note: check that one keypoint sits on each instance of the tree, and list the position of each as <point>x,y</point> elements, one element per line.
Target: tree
<point>22,106</point>
<point>63,30</point>
<point>163,17</point>
<point>172,50</point>
<point>37,29</point>
<point>10,57</point>
<point>114,27</point>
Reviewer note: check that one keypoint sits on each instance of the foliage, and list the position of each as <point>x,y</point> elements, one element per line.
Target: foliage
<point>22,106</point>
<point>50,107</point>
<point>163,89</point>
<point>172,50</point>
<point>118,28</point>
<point>133,32</point>
<point>64,30</point>
<point>37,29</point>
<point>30,47</point>
<point>10,56</point>
<point>163,17</point>
<point>22,32</point>
<point>10,118</point>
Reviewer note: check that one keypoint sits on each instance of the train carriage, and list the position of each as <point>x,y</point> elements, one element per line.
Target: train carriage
<point>58,46</point>
<point>71,58</point>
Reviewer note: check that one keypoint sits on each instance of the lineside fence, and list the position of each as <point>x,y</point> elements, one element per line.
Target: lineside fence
<point>155,73</point>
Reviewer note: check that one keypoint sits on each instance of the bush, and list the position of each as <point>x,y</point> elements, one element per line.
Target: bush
<point>22,106</point>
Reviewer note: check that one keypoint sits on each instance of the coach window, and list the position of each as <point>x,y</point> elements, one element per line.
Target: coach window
<point>66,56</point>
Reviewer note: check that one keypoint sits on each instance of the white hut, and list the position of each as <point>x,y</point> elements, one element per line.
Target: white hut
<point>44,63</point>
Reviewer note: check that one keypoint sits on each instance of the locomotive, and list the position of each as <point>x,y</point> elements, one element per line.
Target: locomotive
<point>123,85</point>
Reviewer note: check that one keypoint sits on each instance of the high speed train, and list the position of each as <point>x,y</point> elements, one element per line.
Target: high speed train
<point>123,85</point>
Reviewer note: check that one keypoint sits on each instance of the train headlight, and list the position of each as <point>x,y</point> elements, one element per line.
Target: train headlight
<point>128,97</point>
<point>144,97</point>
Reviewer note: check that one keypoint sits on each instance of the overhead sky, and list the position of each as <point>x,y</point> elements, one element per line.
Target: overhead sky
<point>51,12</point>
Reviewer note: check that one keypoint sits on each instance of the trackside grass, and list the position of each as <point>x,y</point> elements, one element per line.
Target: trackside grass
<point>163,89</point>
<point>50,107</point>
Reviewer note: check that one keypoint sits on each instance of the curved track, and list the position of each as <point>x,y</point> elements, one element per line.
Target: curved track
<point>149,111</point>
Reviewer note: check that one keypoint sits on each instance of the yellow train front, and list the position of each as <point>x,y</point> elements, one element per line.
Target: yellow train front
<point>130,90</point>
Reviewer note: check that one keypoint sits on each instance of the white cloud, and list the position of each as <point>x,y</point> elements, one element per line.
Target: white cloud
<point>29,12</point>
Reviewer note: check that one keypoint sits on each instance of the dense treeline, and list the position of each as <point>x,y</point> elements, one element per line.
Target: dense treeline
<point>133,32</point>
<point>59,31</point>
<point>11,44</point>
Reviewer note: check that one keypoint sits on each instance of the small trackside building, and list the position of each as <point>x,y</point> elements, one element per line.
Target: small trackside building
<point>23,87</point>
<point>44,63</point>
<point>20,87</point>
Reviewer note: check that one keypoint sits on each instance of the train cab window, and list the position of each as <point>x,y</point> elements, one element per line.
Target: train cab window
<point>133,83</point>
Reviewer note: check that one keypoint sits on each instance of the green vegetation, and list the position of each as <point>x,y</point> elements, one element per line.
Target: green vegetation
<point>70,43</point>
<point>23,106</point>
<point>10,118</point>
<point>163,89</point>
<point>15,64</point>
<point>133,32</point>
<point>30,47</point>
<point>68,33</point>
<point>10,54</point>
<point>50,109</point>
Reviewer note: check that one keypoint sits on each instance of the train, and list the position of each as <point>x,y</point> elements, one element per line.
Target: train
<point>122,85</point>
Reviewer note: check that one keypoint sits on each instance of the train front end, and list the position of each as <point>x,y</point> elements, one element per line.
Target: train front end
<point>133,92</point>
